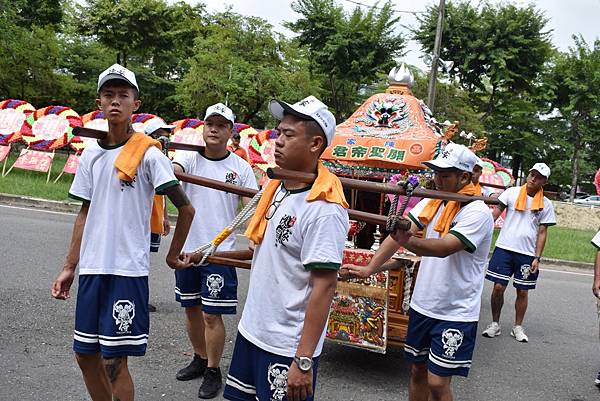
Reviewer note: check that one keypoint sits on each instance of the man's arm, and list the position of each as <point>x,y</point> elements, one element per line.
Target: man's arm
<point>324,282</point>
<point>184,222</point>
<point>439,248</point>
<point>380,261</point>
<point>596,285</point>
<point>62,285</point>
<point>540,243</point>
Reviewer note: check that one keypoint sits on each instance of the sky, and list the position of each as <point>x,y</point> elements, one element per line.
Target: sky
<point>566,17</point>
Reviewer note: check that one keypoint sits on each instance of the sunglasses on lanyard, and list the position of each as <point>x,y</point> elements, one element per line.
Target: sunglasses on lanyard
<point>281,194</point>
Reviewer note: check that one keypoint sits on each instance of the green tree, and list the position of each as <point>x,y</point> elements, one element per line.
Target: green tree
<point>499,53</point>
<point>346,51</point>
<point>575,80</point>
<point>241,59</point>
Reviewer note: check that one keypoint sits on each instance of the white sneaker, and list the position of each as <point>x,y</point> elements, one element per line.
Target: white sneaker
<point>519,334</point>
<point>493,330</point>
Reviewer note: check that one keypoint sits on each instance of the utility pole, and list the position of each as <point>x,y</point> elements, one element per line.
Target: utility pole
<point>436,56</point>
<point>229,79</point>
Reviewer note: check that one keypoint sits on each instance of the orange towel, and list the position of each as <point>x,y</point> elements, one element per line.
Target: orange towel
<point>536,205</point>
<point>452,208</point>
<point>127,163</point>
<point>326,187</point>
<point>478,191</point>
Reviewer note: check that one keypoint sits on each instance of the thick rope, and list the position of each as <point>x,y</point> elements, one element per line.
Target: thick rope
<point>394,216</point>
<point>239,220</point>
<point>408,277</point>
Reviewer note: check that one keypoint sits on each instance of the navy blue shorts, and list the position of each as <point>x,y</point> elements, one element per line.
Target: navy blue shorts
<point>447,347</point>
<point>154,242</point>
<point>212,286</point>
<point>505,264</point>
<point>111,316</point>
<point>256,374</point>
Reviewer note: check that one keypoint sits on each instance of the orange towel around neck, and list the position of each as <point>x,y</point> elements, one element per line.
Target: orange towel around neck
<point>536,205</point>
<point>326,187</point>
<point>450,210</point>
<point>478,190</point>
<point>127,163</point>
<point>131,155</point>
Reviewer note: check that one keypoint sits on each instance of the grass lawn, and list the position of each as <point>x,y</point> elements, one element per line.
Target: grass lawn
<point>563,243</point>
<point>31,183</point>
<point>567,244</point>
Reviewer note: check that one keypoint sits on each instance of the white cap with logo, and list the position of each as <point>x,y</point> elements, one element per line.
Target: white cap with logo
<point>155,124</point>
<point>309,108</point>
<point>541,168</point>
<point>220,109</point>
<point>117,71</point>
<point>454,156</point>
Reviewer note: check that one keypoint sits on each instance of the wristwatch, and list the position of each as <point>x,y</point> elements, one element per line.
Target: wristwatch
<point>538,258</point>
<point>304,363</point>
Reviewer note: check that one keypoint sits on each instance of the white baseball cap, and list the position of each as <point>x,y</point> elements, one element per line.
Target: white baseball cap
<point>454,156</point>
<point>541,168</point>
<point>117,71</point>
<point>220,109</point>
<point>309,108</point>
<point>155,124</point>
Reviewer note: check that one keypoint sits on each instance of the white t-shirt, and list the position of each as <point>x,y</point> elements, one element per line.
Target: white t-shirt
<point>299,237</point>
<point>596,240</point>
<point>116,237</point>
<point>215,209</point>
<point>450,288</point>
<point>520,229</point>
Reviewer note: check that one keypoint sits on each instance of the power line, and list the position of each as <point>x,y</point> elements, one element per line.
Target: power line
<point>381,8</point>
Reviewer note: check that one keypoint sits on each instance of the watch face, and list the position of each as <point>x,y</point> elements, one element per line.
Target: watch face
<point>304,364</point>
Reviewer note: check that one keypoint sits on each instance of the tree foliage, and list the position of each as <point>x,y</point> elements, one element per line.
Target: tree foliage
<point>346,51</point>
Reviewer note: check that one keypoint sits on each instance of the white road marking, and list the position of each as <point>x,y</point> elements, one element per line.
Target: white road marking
<point>567,272</point>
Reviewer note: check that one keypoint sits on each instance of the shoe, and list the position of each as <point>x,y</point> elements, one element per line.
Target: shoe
<point>151,308</point>
<point>212,383</point>
<point>597,381</point>
<point>519,334</point>
<point>195,369</point>
<point>493,330</point>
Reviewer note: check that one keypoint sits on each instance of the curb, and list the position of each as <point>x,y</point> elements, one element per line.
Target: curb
<point>73,207</point>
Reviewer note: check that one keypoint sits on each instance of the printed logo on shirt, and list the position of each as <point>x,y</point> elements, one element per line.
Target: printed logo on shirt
<point>277,376</point>
<point>231,178</point>
<point>127,184</point>
<point>452,340</point>
<point>215,283</point>
<point>123,313</point>
<point>284,229</point>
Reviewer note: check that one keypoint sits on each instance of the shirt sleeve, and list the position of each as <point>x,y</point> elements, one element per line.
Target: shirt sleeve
<point>414,213</point>
<point>159,170</point>
<point>473,224</point>
<point>184,159</point>
<point>548,218</point>
<point>596,240</point>
<point>504,197</point>
<point>323,241</point>
<point>81,188</point>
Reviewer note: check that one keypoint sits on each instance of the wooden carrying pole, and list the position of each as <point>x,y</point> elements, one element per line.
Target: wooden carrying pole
<point>369,186</point>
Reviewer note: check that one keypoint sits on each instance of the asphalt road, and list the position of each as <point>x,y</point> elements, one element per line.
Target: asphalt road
<point>36,362</point>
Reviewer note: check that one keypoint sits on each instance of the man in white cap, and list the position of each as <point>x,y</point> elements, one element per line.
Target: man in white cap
<point>299,230</point>
<point>208,292</point>
<point>444,310</point>
<point>110,241</point>
<point>519,246</point>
